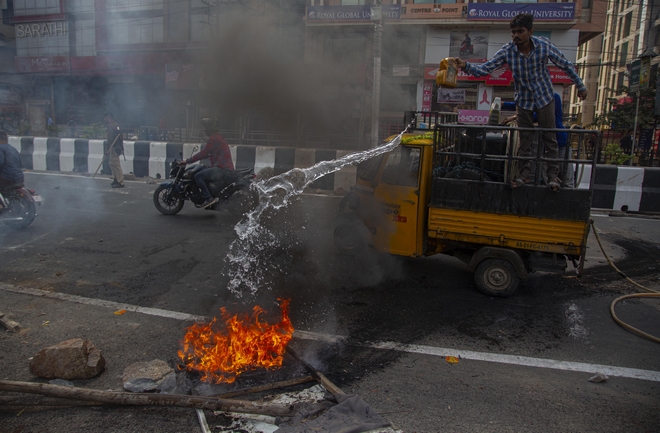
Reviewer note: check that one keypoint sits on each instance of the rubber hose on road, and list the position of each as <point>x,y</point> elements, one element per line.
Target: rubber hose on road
<point>651,293</point>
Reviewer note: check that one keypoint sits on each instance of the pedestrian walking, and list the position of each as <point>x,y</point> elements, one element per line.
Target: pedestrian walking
<point>114,147</point>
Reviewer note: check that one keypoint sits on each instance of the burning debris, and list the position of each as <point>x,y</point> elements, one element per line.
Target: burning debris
<point>245,343</point>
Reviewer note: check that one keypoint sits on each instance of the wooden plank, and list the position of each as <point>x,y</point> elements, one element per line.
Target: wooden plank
<point>138,399</point>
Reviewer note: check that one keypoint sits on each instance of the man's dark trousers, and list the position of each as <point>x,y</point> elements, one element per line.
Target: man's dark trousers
<point>220,176</point>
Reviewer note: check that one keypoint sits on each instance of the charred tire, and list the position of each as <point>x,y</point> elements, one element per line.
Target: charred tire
<point>496,277</point>
<point>351,235</point>
<point>166,202</point>
<point>243,201</point>
<point>21,207</point>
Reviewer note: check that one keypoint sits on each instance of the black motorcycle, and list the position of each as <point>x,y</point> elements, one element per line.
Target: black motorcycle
<point>237,197</point>
<point>18,205</point>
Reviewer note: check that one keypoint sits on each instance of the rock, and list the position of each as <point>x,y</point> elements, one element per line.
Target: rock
<point>598,378</point>
<point>11,325</point>
<point>129,176</point>
<point>183,384</point>
<point>154,375</point>
<point>70,359</point>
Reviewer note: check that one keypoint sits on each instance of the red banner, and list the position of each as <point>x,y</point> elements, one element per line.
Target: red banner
<point>501,76</point>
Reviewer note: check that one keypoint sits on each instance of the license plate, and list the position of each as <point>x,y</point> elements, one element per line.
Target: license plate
<point>37,198</point>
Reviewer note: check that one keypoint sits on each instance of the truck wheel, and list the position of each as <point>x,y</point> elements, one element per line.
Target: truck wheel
<point>496,277</point>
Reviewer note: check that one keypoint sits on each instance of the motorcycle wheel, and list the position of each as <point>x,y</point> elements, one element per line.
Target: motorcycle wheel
<point>21,207</point>
<point>243,201</point>
<point>165,202</point>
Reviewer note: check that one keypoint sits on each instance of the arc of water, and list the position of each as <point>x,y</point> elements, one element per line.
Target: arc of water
<point>275,193</point>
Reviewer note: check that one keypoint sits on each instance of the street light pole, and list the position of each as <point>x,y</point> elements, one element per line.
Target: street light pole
<point>376,16</point>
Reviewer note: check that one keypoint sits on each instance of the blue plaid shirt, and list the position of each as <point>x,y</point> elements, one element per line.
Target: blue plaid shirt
<point>530,74</point>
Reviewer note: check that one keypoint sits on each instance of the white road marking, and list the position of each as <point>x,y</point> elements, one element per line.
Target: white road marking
<point>526,361</point>
<point>15,247</point>
<point>102,303</point>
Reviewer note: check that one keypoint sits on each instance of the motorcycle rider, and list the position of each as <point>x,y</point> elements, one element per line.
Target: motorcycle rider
<point>221,170</point>
<point>11,169</point>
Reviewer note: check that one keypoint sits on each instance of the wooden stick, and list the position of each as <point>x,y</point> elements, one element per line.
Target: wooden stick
<point>268,387</point>
<point>138,399</point>
<point>331,387</point>
<point>44,401</point>
<point>204,425</point>
<point>106,155</point>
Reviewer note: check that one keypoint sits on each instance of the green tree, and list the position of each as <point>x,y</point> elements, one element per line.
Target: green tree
<point>622,115</point>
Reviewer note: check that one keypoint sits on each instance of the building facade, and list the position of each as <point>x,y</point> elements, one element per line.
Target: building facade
<point>631,29</point>
<point>264,65</point>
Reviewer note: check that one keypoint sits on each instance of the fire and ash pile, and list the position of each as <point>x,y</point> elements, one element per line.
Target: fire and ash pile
<point>222,351</point>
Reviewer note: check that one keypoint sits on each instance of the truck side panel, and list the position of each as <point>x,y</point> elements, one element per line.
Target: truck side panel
<point>499,198</point>
<point>520,232</point>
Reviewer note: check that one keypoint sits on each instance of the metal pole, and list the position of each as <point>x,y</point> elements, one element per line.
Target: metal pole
<point>375,96</point>
<point>634,137</point>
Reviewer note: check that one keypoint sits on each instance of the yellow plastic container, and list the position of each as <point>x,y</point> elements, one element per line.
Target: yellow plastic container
<point>447,74</point>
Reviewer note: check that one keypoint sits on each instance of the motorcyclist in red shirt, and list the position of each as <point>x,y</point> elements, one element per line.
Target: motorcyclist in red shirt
<point>221,170</point>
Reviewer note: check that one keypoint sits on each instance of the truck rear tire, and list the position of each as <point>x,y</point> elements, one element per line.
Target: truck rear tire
<point>496,277</point>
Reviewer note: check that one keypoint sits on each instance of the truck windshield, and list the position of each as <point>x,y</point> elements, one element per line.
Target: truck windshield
<point>368,169</point>
<point>402,167</point>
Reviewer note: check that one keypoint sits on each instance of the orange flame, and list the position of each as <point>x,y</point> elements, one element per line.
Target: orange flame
<point>247,343</point>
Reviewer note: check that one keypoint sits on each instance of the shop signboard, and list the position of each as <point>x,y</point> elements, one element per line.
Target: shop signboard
<point>644,72</point>
<point>635,72</point>
<point>646,139</point>
<point>470,45</point>
<point>350,13</point>
<point>182,76</point>
<point>433,11</point>
<point>10,95</point>
<point>506,11</point>
<point>476,117</point>
<point>451,96</point>
<point>427,95</point>
<point>558,76</point>
<point>42,64</point>
<point>41,30</point>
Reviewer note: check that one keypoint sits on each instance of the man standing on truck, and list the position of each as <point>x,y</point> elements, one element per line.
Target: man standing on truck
<point>527,56</point>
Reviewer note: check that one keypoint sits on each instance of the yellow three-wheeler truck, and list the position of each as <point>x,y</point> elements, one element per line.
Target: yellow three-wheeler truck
<point>447,190</point>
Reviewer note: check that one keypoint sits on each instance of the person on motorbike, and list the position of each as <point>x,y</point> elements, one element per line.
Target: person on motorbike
<point>221,170</point>
<point>11,169</point>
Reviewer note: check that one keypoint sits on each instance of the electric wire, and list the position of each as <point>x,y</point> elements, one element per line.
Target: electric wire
<point>650,293</point>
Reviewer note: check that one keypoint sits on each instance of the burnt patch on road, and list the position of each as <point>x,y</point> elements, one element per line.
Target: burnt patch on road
<point>642,262</point>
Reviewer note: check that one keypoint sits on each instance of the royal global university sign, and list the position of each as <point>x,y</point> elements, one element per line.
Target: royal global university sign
<point>506,11</point>
<point>350,13</point>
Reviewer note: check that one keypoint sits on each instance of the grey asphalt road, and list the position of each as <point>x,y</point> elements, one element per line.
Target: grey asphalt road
<point>99,243</point>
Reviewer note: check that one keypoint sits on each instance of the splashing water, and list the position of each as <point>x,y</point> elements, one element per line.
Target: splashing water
<point>247,252</point>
